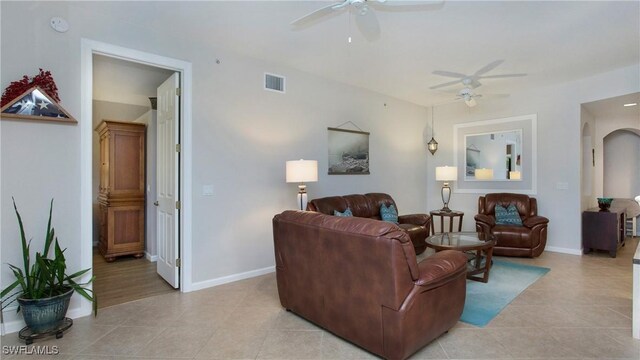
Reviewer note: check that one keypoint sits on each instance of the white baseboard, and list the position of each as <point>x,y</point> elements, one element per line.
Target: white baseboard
<point>231,278</point>
<point>563,250</point>
<point>16,325</point>
<point>152,258</point>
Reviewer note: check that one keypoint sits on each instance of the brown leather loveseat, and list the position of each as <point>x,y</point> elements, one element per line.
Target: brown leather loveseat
<point>368,206</point>
<point>359,279</point>
<point>527,240</point>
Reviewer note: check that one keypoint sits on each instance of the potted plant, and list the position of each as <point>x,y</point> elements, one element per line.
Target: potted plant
<point>42,287</point>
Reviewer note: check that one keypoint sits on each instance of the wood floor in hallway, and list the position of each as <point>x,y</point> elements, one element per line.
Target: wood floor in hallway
<point>126,279</point>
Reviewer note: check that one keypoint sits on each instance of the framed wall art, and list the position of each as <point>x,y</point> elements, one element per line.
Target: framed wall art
<point>348,152</point>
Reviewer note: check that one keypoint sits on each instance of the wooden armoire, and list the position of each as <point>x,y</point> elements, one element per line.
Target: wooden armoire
<point>121,196</point>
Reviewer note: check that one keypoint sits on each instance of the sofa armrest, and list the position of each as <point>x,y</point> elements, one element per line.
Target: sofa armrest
<point>535,220</point>
<point>486,219</point>
<point>439,269</point>
<point>416,219</point>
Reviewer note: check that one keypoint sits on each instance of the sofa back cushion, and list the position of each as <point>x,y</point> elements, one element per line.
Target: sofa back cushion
<point>525,205</point>
<point>366,206</point>
<point>325,262</point>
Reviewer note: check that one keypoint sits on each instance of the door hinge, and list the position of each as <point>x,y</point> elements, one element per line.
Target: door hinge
<point>178,92</point>
<point>178,262</point>
<point>178,148</point>
<point>178,205</point>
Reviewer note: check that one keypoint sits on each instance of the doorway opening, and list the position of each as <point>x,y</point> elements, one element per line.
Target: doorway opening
<point>179,141</point>
<point>125,163</point>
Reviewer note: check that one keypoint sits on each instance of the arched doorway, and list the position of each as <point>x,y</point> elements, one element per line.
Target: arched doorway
<point>621,163</point>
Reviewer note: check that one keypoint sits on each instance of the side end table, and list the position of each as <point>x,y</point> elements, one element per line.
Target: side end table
<point>442,214</point>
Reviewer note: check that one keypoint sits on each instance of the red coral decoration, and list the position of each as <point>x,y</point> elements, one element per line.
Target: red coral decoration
<point>44,80</point>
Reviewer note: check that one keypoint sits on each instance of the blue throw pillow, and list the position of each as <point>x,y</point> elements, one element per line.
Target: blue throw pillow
<point>346,213</point>
<point>508,216</point>
<point>389,214</point>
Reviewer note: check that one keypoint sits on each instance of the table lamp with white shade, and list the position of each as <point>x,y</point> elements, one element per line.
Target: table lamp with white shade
<point>446,174</point>
<point>302,171</point>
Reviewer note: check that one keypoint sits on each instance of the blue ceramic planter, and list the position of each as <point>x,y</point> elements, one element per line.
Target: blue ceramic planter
<point>44,315</point>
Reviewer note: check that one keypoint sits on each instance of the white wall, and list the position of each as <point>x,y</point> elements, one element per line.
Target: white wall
<point>587,144</point>
<point>559,132</point>
<point>605,126</point>
<point>242,136</point>
<point>622,164</point>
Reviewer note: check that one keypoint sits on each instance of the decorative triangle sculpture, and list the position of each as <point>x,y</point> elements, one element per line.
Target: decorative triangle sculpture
<point>35,104</point>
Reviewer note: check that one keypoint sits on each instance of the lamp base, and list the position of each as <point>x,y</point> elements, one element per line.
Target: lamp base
<point>302,197</point>
<point>446,196</point>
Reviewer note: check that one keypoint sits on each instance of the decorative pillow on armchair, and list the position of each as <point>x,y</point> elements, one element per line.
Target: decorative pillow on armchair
<point>346,213</point>
<point>508,216</point>
<point>389,214</point>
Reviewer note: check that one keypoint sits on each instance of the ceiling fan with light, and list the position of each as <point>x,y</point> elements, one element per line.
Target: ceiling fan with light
<point>469,96</point>
<point>473,81</point>
<point>366,20</point>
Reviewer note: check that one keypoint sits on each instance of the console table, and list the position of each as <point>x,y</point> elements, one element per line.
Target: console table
<point>603,230</point>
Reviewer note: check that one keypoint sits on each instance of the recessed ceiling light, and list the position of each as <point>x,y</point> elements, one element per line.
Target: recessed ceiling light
<point>630,104</point>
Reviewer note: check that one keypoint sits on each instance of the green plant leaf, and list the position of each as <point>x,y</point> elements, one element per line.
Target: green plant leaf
<point>78,274</point>
<point>25,246</point>
<point>8,289</point>
<point>49,237</point>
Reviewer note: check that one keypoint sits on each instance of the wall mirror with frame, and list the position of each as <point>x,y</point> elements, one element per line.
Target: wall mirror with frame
<point>496,155</point>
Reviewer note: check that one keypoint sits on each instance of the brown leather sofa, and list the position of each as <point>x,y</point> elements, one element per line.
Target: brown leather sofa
<point>528,240</point>
<point>359,279</point>
<point>368,206</point>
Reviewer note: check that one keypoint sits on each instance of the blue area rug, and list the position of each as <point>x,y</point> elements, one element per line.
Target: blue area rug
<point>506,281</point>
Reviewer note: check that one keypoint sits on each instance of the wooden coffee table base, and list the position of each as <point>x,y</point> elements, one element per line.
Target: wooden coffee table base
<point>476,245</point>
<point>476,270</point>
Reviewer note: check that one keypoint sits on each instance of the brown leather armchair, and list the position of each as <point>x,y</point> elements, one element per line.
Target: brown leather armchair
<point>527,240</point>
<point>368,206</point>
<point>359,279</point>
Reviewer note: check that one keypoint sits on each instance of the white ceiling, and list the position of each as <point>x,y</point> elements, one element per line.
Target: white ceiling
<point>614,107</point>
<point>552,41</point>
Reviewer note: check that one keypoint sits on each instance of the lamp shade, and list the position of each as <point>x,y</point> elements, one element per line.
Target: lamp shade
<point>299,171</point>
<point>515,175</point>
<point>446,173</point>
<point>484,174</point>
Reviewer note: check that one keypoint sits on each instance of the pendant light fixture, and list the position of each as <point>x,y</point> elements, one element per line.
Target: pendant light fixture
<point>432,145</point>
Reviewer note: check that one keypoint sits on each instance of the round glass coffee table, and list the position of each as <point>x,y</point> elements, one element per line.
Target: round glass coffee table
<point>476,245</point>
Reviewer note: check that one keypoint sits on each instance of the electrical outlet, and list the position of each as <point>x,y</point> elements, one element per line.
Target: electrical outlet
<point>561,185</point>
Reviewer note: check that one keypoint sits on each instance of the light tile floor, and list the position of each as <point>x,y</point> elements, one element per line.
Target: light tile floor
<point>580,310</point>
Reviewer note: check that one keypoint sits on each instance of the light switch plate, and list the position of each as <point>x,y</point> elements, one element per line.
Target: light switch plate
<point>562,185</point>
<point>207,190</point>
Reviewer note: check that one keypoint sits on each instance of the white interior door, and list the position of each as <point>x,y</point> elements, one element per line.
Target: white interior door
<point>167,187</point>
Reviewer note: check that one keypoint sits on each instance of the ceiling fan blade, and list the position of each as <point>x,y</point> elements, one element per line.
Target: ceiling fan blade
<point>501,76</point>
<point>444,84</point>
<point>398,5</point>
<point>449,74</point>
<point>315,15</point>
<point>475,83</point>
<point>488,67</point>
<point>368,25</point>
<point>496,96</point>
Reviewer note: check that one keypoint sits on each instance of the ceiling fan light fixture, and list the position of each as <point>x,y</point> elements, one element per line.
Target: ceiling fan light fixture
<point>471,102</point>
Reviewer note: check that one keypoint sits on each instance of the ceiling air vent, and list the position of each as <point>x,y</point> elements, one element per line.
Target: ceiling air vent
<point>274,82</point>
